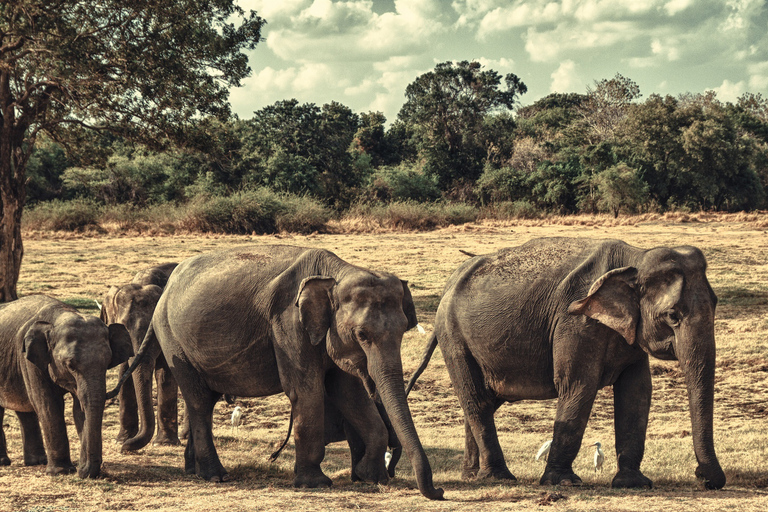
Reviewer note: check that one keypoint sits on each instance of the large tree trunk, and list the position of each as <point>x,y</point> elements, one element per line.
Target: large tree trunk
<point>13,159</point>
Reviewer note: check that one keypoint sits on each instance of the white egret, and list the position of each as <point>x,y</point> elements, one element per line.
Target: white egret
<point>237,417</point>
<point>544,450</point>
<point>599,456</point>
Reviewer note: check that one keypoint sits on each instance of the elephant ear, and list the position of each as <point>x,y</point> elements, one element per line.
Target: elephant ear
<point>314,303</point>
<point>408,307</point>
<point>108,307</point>
<point>120,344</point>
<point>612,300</point>
<point>36,348</point>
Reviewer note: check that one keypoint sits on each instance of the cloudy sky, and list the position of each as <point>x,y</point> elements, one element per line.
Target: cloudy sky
<point>363,53</point>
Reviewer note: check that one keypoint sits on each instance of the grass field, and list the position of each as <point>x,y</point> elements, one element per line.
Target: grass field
<point>80,268</point>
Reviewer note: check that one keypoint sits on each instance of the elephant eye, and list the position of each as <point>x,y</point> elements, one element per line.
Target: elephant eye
<point>362,336</point>
<point>672,317</point>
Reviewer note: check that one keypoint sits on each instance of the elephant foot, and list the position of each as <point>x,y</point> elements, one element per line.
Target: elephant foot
<point>565,478</point>
<point>312,479</point>
<point>5,461</point>
<point>166,440</point>
<point>629,478</point>
<point>497,473</point>
<point>64,469</point>
<point>89,470</point>
<point>370,471</point>
<point>39,459</point>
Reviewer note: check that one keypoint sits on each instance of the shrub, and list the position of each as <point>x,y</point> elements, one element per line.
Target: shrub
<point>521,209</point>
<point>410,215</point>
<point>402,183</point>
<point>260,211</point>
<point>60,215</point>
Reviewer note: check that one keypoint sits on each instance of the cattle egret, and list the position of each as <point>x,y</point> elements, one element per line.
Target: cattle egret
<point>237,417</point>
<point>544,450</point>
<point>387,458</point>
<point>421,329</point>
<point>599,457</point>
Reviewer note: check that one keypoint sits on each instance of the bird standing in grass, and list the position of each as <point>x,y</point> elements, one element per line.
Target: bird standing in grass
<point>544,450</point>
<point>237,417</point>
<point>599,457</point>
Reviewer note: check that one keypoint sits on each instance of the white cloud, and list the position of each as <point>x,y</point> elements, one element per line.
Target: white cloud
<point>667,49</point>
<point>550,45</point>
<point>730,91</point>
<point>676,6</point>
<point>565,78</point>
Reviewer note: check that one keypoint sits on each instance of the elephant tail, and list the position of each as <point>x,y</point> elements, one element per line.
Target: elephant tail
<point>274,456</point>
<point>428,351</point>
<point>137,360</point>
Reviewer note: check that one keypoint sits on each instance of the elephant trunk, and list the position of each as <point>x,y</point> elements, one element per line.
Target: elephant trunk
<point>142,383</point>
<point>389,381</point>
<point>696,354</point>
<point>92,397</point>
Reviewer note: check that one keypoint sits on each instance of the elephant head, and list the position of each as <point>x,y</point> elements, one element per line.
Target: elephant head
<point>76,351</point>
<point>361,318</point>
<point>665,305</point>
<point>132,305</point>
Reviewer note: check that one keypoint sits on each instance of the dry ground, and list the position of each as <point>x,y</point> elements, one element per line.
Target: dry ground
<point>80,268</point>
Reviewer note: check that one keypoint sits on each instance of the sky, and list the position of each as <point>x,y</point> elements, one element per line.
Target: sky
<point>363,53</point>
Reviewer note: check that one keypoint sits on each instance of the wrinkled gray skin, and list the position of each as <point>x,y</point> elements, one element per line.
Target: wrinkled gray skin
<point>255,321</point>
<point>562,318</point>
<point>133,305</point>
<point>48,349</point>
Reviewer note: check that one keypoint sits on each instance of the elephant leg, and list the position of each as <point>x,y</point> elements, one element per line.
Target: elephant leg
<point>200,456</point>
<point>631,403</point>
<point>308,407</point>
<point>129,409</point>
<point>167,405</point>
<point>483,456</point>
<point>362,418</point>
<point>51,415</point>
<point>573,412</point>
<point>32,439</point>
<point>4,459</point>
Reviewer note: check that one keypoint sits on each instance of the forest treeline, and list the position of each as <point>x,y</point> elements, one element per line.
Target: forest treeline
<point>462,143</point>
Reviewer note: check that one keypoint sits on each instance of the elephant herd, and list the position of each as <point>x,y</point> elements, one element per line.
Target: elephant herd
<point>552,318</point>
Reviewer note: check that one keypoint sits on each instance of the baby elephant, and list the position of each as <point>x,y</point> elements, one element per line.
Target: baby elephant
<point>48,349</point>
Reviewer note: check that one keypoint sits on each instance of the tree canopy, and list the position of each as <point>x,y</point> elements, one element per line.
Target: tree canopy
<point>142,69</point>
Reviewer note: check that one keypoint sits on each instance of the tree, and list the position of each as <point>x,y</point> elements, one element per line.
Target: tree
<point>606,106</point>
<point>620,187</point>
<point>447,107</point>
<point>142,69</point>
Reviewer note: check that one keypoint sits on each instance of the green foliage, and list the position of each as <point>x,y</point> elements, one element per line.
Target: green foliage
<point>446,109</point>
<point>521,209</point>
<point>257,211</point>
<point>620,188</point>
<point>59,215</point>
<point>402,183</point>
<point>504,184</point>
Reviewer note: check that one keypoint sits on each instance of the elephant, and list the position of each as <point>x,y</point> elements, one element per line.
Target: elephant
<point>259,320</point>
<point>132,305</point>
<point>338,428</point>
<point>48,349</point>
<point>562,318</point>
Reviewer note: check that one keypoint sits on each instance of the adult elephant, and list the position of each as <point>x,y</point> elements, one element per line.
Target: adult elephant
<point>255,321</point>
<point>562,318</point>
<point>133,305</point>
<point>48,349</point>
